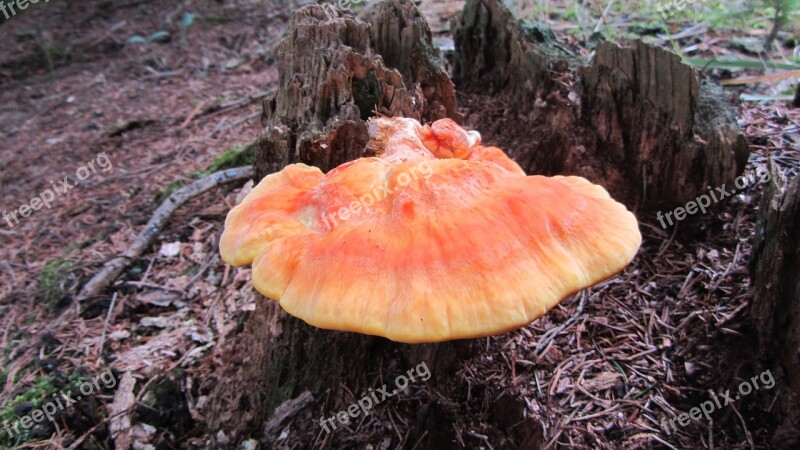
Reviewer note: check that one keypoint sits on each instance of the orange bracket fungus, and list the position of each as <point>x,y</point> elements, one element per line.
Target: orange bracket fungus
<point>436,238</point>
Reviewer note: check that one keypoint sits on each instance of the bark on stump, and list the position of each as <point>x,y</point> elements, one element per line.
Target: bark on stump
<point>336,70</point>
<point>635,119</point>
<point>775,310</point>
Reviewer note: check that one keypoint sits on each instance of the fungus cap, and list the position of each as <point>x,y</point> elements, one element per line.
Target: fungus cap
<point>436,238</point>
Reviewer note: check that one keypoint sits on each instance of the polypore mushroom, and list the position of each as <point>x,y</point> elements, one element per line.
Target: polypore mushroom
<point>436,238</point>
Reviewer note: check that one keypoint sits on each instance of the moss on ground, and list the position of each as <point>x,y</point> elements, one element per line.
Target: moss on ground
<point>241,155</point>
<point>54,280</point>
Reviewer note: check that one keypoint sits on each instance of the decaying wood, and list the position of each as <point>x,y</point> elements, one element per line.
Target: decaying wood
<point>284,413</point>
<point>333,77</point>
<point>124,400</point>
<point>775,310</point>
<point>276,357</point>
<point>336,71</point>
<point>496,55</point>
<point>113,268</point>
<point>400,34</point>
<point>635,119</point>
<point>611,121</point>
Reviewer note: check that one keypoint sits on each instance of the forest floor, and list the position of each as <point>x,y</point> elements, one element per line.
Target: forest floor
<point>155,113</point>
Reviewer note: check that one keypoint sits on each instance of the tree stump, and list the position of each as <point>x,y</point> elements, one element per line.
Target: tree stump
<point>635,120</point>
<point>775,270</point>
<point>336,70</point>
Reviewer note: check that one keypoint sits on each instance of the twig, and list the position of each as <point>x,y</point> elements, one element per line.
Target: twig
<point>192,114</point>
<point>145,284</point>
<point>776,26</point>
<point>200,273</point>
<point>241,120</point>
<point>482,437</point>
<point>286,411</point>
<point>694,30</point>
<point>419,440</point>
<point>155,75</point>
<point>716,284</point>
<point>88,433</point>
<point>5,267</point>
<point>213,110</point>
<point>603,17</point>
<point>105,324</point>
<point>112,269</point>
<point>219,127</point>
<point>747,434</point>
<point>11,377</point>
<point>551,334</point>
